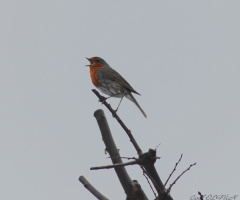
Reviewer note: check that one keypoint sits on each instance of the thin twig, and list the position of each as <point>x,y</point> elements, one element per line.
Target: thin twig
<point>151,178</point>
<point>174,182</point>
<point>174,169</point>
<point>103,100</point>
<point>157,147</point>
<point>149,183</point>
<point>115,165</point>
<point>128,158</point>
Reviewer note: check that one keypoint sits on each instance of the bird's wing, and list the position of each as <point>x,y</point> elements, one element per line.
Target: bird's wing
<point>113,75</point>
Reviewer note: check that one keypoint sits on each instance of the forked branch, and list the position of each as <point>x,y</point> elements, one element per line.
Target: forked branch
<point>174,182</point>
<point>173,170</point>
<point>131,188</point>
<point>145,160</point>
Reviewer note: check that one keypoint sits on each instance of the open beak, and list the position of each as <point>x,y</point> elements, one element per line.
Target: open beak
<point>89,61</point>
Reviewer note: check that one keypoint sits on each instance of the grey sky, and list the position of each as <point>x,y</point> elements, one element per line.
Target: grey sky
<point>181,56</point>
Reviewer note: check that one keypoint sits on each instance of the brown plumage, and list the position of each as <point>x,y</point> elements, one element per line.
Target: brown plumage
<point>110,82</point>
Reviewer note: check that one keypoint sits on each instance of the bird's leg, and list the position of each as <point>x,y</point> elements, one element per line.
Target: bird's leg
<point>119,103</point>
<point>103,99</point>
<point>115,111</point>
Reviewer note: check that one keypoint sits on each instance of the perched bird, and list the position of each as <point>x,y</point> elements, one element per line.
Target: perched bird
<point>110,82</point>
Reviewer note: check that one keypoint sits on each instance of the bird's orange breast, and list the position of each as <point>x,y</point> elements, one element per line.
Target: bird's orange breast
<point>94,76</point>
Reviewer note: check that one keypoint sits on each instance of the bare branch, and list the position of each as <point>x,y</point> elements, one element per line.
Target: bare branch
<point>128,158</point>
<point>157,147</point>
<point>91,189</point>
<point>132,189</point>
<point>174,182</point>
<point>103,100</point>
<point>147,160</point>
<point>174,169</point>
<point>144,174</point>
<point>115,165</point>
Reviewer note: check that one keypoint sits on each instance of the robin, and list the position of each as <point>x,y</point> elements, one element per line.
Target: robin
<point>110,82</point>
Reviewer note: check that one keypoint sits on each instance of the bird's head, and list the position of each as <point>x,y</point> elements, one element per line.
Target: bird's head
<point>96,62</point>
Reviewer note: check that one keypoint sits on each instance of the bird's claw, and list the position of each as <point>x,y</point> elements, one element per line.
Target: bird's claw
<point>102,100</point>
<point>114,113</point>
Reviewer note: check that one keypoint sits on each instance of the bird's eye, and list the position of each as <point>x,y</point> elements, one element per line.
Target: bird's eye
<point>97,61</point>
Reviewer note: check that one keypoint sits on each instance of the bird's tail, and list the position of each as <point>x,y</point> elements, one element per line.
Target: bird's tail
<point>131,98</point>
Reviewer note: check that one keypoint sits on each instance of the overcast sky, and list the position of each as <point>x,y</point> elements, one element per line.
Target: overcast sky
<point>183,57</point>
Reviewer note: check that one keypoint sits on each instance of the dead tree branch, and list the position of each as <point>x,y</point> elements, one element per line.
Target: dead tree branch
<point>147,178</point>
<point>132,190</point>
<point>174,182</point>
<point>128,158</point>
<point>115,165</point>
<point>147,160</point>
<point>173,170</point>
<point>91,189</point>
<point>103,100</point>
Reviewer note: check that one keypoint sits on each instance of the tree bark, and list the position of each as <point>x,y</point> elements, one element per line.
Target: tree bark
<point>132,188</point>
